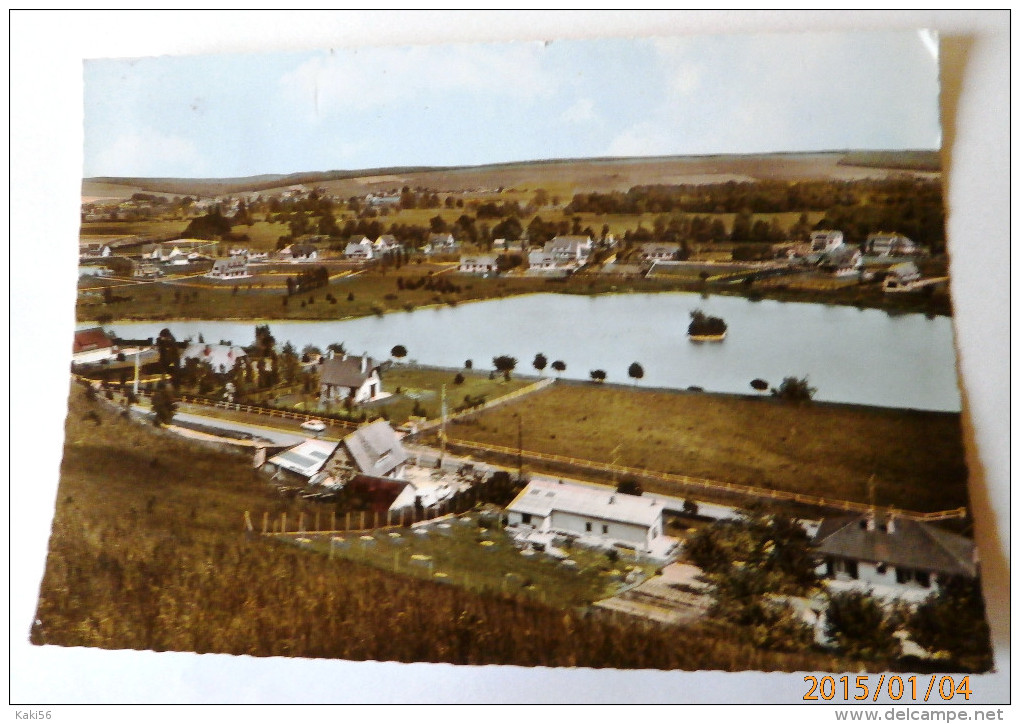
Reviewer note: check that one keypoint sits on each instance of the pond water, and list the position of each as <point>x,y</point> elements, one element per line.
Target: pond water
<point>861,356</point>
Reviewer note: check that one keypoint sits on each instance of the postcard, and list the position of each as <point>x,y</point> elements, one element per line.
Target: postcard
<point>588,354</point>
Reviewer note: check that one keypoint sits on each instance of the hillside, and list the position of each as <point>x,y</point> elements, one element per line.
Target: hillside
<point>563,176</point>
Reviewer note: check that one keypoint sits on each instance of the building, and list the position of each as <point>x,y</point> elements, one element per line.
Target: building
<point>902,277</point>
<point>359,248</point>
<point>302,461</point>
<point>886,244</point>
<point>300,252</point>
<point>892,556</point>
<point>373,450</point>
<point>94,251</point>
<point>540,260</point>
<point>592,516</point>
<point>380,495</point>
<point>232,267</point>
<point>843,260</point>
<point>92,345</point>
<point>570,250</point>
<point>220,357</point>
<point>478,264</point>
<point>654,251</point>
<point>441,244</point>
<point>385,243</point>
<point>349,378</point>
<point>145,269</point>
<point>825,240</point>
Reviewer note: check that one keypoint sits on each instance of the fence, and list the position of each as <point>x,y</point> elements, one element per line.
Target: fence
<point>262,410</point>
<point>687,482</point>
<point>534,387</point>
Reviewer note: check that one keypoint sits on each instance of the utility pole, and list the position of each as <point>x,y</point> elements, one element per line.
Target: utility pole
<point>520,449</point>
<point>138,354</point>
<point>442,428</point>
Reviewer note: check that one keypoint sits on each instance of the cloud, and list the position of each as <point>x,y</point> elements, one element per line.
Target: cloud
<point>365,79</point>
<point>582,111</point>
<point>136,153</point>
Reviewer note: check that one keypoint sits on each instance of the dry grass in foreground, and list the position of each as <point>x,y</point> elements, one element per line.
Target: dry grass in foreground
<point>147,553</point>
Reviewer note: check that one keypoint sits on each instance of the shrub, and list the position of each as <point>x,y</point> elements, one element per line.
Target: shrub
<point>793,389</point>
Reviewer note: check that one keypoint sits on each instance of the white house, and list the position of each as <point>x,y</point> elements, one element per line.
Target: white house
<point>886,244</point>
<point>360,248</point>
<point>570,250</point>
<point>655,251</point>
<point>373,450</point>
<point>902,277</point>
<point>540,260</point>
<point>94,251</point>
<point>591,515</point>
<point>232,267</point>
<point>825,240</point>
<point>349,378</point>
<point>478,264</point>
<point>299,252</point>
<point>441,244</point>
<point>844,260</point>
<point>890,556</point>
<point>385,243</point>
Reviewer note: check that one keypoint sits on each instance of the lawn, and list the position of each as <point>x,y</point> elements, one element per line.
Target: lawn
<point>915,459</point>
<point>423,385</point>
<point>472,552</point>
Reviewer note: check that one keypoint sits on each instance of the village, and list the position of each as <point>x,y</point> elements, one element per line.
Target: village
<point>396,492</point>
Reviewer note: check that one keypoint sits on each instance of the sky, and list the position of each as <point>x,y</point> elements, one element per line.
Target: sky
<point>470,104</point>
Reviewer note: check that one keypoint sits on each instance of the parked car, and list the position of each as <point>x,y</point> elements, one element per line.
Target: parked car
<point>313,425</point>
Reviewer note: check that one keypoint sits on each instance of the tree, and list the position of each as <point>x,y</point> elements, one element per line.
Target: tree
<point>468,364</point>
<point>635,371</point>
<point>559,365</point>
<point>540,362</point>
<point>793,389</point>
<point>459,379</point>
<point>289,363</point>
<point>163,405</point>
<point>169,352</point>
<point>399,351</point>
<point>598,375</point>
<point>759,384</point>
<point>505,364</point>
<point>860,627</point>
<point>952,621</point>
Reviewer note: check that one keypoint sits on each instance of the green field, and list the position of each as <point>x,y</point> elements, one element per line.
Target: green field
<point>916,459</point>
<point>480,558</point>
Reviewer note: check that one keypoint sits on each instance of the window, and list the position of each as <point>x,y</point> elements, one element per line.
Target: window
<point>587,527</point>
<point>526,517</point>
<point>605,530</point>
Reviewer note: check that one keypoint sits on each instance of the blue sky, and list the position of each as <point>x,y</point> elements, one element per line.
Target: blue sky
<point>438,105</point>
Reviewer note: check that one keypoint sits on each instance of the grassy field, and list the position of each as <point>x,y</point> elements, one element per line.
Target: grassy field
<point>424,386</point>
<point>916,459</point>
<point>464,553</point>
<point>147,552</point>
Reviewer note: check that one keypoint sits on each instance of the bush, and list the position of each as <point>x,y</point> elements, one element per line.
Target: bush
<point>793,389</point>
<point>459,379</point>
<point>859,626</point>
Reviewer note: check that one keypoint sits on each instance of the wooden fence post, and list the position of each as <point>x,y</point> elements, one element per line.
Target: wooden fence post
<point>332,519</point>
<point>283,522</point>
<point>375,519</point>
<point>265,522</point>
<point>316,520</point>
<point>389,517</point>
<point>247,522</point>
<point>301,522</point>
<point>362,520</point>
<point>402,510</point>
<point>347,525</point>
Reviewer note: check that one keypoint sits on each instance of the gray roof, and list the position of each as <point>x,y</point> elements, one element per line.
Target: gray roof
<point>345,371</point>
<point>305,459</point>
<point>912,544</point>
<point>375,448</point>
<point>542,499</point>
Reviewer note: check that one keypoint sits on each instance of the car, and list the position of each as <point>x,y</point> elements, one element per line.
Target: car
<point>313,425</point>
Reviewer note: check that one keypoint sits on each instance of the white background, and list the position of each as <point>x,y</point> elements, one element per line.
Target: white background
<point>46,152</point>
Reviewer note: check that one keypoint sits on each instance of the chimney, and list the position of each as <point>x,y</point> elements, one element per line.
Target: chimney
<point>870,526</point>
<point>890,525</point>
<point>364,362</point>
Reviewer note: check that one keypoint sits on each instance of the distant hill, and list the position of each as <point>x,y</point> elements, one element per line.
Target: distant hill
<point>560,175</point>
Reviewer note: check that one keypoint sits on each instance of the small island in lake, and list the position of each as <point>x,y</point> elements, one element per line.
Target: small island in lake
<point>704,328</point>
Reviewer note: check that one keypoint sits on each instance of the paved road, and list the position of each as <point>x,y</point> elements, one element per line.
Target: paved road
<point>273,435</point>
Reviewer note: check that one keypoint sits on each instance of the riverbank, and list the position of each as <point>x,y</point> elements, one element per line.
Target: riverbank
<point>376,293</point>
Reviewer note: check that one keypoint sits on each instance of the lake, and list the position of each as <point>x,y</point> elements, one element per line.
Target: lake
<point>861,356</point>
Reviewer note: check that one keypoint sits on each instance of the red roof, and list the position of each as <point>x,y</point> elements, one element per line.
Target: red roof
<point>89,339</point>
